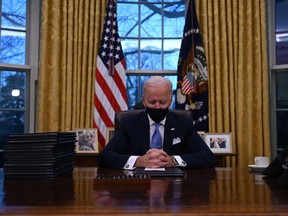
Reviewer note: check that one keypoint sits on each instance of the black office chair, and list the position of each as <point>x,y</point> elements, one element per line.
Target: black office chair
<point>123,114</point>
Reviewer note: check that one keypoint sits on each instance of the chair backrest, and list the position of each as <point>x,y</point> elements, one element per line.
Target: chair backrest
<point>122,114</point>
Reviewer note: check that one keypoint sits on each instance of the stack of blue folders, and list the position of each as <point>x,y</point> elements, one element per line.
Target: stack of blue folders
<point>39,155</point>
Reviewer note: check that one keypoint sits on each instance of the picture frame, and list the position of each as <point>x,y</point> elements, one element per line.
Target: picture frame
<point>87,141</point>
<point>219,142</point>
<point>109,134</point>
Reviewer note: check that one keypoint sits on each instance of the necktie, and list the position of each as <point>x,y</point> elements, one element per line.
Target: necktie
<point>156,138</point>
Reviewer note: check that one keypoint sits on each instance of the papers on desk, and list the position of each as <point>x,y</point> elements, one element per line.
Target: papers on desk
<point>160,172</point>
<point>154,169</point>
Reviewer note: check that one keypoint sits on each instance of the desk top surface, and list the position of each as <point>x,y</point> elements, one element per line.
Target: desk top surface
<point>201,192</point>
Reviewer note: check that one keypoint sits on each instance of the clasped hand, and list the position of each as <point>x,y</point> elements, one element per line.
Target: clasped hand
<point>155,158</point>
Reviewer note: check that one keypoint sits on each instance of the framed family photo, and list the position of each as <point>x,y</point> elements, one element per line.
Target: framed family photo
<point>219,142</point>
<point>109,134</point>
<point>87,141</point>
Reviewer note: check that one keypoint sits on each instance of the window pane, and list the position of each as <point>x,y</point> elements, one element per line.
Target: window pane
<point>12,47</point>
<point>174,17</point>
<point>282,128</point>
<point>173,79</point>
<point>281,28</point>
<point>130,50</point>
<point>134,87</point>
<point>282,90</point>
<point>153,1</point>
<point>132,90</point>
<point>282,48</point>
<point>171,54</point>
<point>13,89</point>
<point>175,1</point>
<point>127,22</point>
<point>151,20</point>
<point>10,122</point>
<point>281,8</point>
<point>150,55</point>
<point>14,14</point>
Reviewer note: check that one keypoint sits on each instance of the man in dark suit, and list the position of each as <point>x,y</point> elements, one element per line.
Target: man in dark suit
<point>133,145</point>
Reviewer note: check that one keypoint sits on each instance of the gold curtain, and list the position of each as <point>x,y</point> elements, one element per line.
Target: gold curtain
<point>234,35</point>
<point>70,36</point>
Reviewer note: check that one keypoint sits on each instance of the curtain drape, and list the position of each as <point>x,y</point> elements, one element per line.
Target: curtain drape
<point>70,36</point>
<point>234,35</point>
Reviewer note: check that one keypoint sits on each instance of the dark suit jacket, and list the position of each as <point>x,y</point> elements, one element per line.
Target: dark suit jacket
<point>133,138</point>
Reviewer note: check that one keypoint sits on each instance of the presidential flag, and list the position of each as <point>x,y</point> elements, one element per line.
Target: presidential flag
<point>192,86</point>
<point>110,79</point>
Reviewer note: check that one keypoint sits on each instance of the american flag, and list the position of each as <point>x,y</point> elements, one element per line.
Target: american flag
<point>187,85</point>
<point>110,79</point>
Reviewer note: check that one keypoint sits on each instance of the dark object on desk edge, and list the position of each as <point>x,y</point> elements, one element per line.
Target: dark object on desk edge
<point>169,172</point>
<point>121,177</point>
<point>116,182</point>
<point>279,167</point>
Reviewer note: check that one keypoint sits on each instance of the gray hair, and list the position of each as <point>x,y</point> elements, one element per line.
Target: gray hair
<point>156,81</point>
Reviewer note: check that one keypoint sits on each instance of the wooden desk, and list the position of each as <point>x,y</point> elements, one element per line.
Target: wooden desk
<point>223,191</point>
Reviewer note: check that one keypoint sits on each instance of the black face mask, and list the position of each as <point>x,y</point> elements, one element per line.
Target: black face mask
<point>157,115</point>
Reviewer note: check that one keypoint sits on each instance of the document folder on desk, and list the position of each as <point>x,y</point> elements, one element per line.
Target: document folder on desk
<point>39,155</point>
<point>166,172</point>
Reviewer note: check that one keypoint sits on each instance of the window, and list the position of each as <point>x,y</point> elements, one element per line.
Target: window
<point>279,73</point>
<point>17,56</point>
<point>151,35</point>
